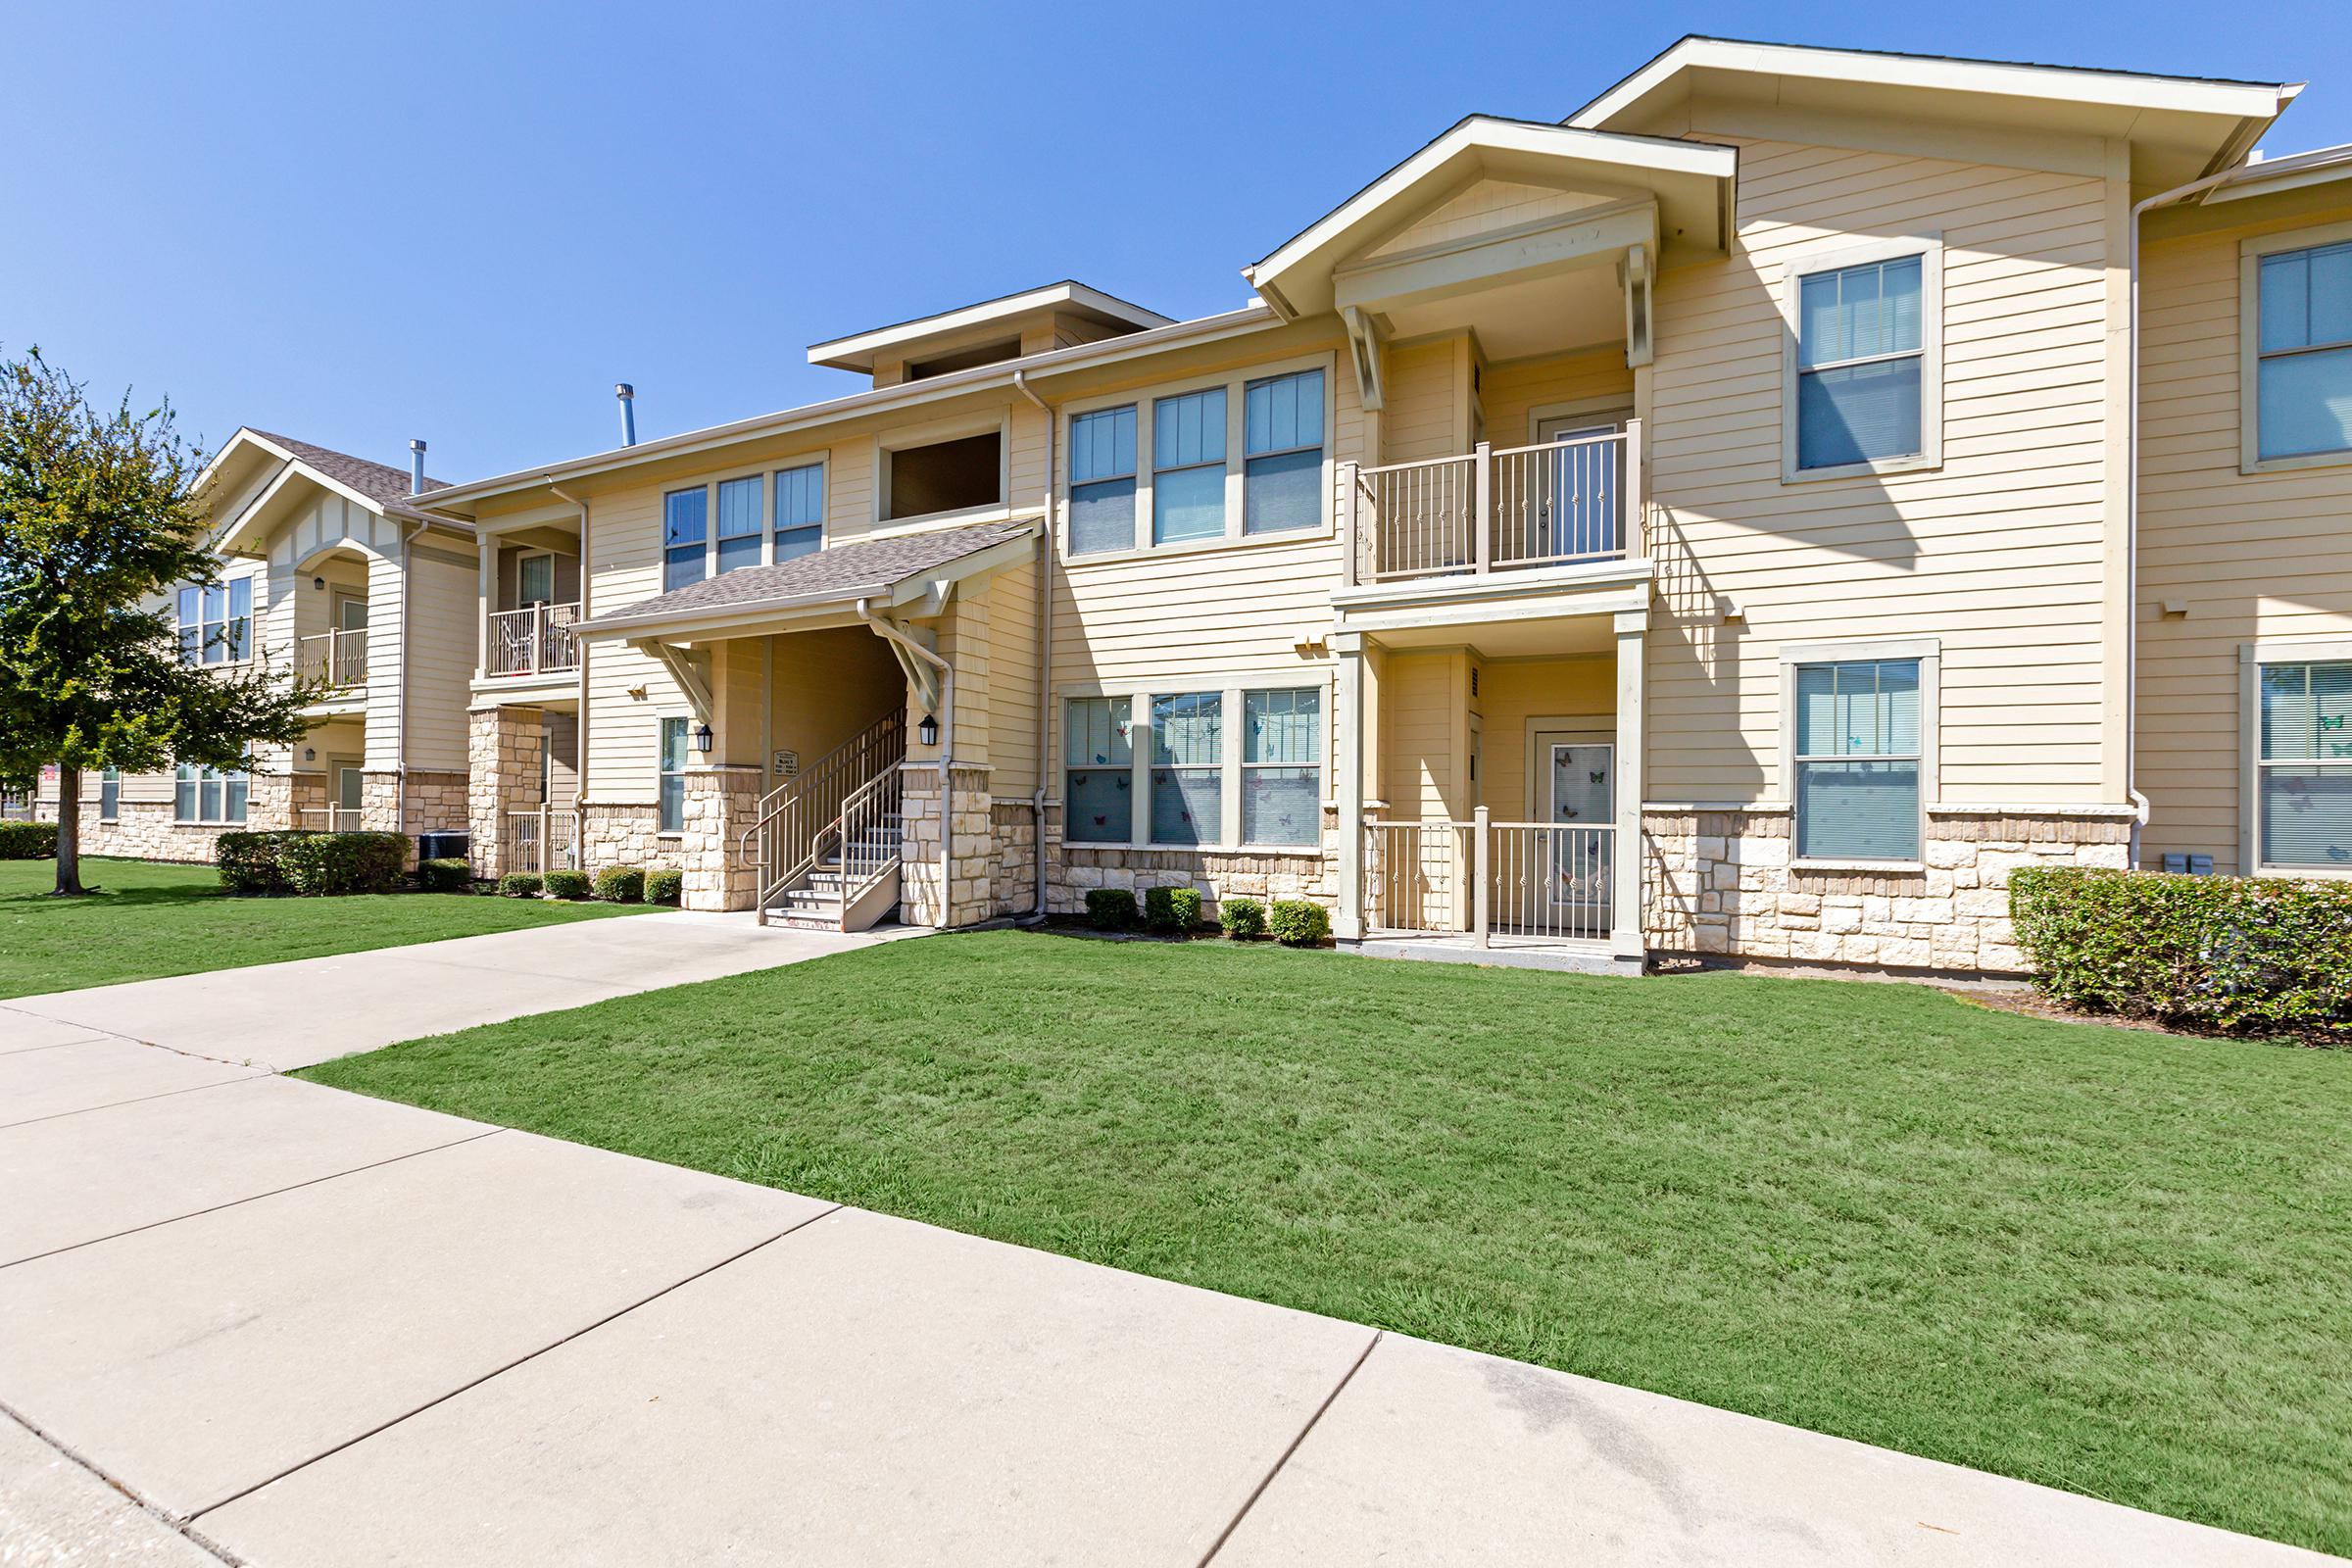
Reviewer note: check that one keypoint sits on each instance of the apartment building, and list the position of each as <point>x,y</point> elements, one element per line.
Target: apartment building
<point>328,572</point>
<point>1703,526</point>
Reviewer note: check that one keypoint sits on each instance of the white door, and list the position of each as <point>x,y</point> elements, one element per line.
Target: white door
<point>351,614</point>
<point>1575,789</point>
<point>1575,510</point>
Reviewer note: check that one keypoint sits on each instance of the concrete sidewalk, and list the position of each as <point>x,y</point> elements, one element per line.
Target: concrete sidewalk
<point>246,1315</point>
<point>287,1015</point>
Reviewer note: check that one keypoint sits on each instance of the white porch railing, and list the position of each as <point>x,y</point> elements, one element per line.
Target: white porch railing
<point>1540,881</point>
<point>327,818</point>
<point>534,641</point>
<point>1553,504</point>
<point>339,658</point>
<point>539,841</point>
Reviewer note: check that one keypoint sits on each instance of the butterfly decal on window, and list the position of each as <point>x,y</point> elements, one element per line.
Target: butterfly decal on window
<point>1598,775</point>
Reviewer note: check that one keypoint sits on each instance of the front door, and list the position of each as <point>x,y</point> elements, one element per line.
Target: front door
<point>348,787</point>
<point>1575,790</point>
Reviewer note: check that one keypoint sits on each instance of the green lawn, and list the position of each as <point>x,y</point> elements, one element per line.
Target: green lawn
<point>174,920</point>
<point>2110,1261</point>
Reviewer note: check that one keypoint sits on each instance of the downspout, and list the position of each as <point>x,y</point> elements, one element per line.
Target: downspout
<point>579,654</point>
<point>400,731</point>
<point>1045,645</point>
<point>2140,801</point>
<point>892,633</point>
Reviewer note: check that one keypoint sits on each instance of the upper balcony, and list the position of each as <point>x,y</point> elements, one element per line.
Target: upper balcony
<point>530,601</point>
<point>1558,503</point>
<point>534,639</point>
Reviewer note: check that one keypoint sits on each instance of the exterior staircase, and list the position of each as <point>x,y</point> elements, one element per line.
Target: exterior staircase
<point>828,842</point>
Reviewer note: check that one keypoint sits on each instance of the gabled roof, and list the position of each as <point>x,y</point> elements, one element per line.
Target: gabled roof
<point>378,481</point>
<point>280,464</point>
<point>1007,314</point>
<point>838,576</point>
<point>2198,123</point>
<point>1690,180</point>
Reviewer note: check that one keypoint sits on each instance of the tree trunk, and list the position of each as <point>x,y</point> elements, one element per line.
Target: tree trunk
<point>68,831</point>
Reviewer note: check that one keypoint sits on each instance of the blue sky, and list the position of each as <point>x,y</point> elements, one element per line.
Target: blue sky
<point>356,223</point>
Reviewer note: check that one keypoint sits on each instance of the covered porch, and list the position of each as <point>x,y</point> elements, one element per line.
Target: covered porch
<point>1490,812</point>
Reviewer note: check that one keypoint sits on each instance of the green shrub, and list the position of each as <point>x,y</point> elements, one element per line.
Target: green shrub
<point>1297,923</point>
<point>520,884</point>
<point>331,864</point>
<point>619,884</point>
<point>2232,954</point>
<point>568,884</point>
<point>1110,908</point>
<point>28,841</point>
<point>1242,917</point>
<point>445,876</point>
<point>1172,909</point>
<point>665,887</point>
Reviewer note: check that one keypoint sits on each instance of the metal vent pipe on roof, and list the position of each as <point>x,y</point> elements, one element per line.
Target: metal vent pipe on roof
<point>628,413</point>
<point>417,467</point>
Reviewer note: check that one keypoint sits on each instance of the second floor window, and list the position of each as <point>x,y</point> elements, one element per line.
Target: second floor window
<point>685,529</point>
<point>800,511</point>
<point>1188,467</point>
<point>1102,480</point>
<point>1281,475</point>
<point>214,621</point>
<point>1858,760</point>
<point>1860,363</point>
<point>739,542</point>
<point>2303,356</point>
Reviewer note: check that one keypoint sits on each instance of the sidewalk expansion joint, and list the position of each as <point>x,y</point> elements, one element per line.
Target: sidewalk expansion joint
<point>520,1360</point>
<point>160,1516</point>
<point>1284,1458</point>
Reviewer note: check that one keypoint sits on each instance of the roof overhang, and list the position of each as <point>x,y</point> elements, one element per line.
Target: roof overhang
<point>1688,185</point>
<point>249,528</point>
<point>971,324</point>
<point>913,594</point>
<point>2179,128</point>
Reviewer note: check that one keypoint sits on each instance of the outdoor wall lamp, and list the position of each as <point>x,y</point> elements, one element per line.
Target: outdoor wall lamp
<point>703,739</point>
<point>317,582</point>
<point>928,730</point>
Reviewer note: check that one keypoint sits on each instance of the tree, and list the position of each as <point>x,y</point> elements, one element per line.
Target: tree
<point>100,517</point>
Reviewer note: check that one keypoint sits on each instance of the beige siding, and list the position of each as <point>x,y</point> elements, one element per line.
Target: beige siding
<point>1422,773</point>
<point>2259,557</point>
<point>442,639</point>
<point>1425,414</point>
<point>1998,553</point>
<point>1486,207</point>
<point>1593,384</point>
<point>1514,691</point>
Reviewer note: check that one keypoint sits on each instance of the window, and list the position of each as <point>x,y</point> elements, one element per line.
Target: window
<point>953,475</point>
<point>2304,767</point>
<point>535,579</point>
<point>208,794</point>
<point>214,621</point>
<point>1098,748</point>
<point>1281,480</point>
<point>110,794</point>
<point>1102,480</point>
<point>2303,352</point>
<point>800,511</point>
<point>1862,390</point>
<point>673,776</point>
<point>739,542</point>
<point>1188,773</point>
<point>1858,760</point>
<point>1282,773</point>
<point>685,519</point>
<point>1188,467</point>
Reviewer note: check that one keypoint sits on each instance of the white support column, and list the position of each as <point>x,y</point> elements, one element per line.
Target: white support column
<point>1482,840</point>
<point>1347,745</point>
<point>486,603</point>
<point>1625,916</point>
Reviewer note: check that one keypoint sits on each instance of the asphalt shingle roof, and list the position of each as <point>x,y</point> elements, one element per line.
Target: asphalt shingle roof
<point>378,481</point>
<point>844,571</point>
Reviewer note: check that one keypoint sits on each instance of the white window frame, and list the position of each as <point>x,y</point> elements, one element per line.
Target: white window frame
<point>240,652</point>
<point>661,722</point>
<point>198,776</point>
<point>1236,384</point>
<point>1231,766</point>
<point>765,473</point>
<point>523,558</point>
<point>2251,658</point>
<point>1929,248</point>
<point>932,434</point>
<point>110,780</point>
<point>2250,254</point>
<point>1928,651</point>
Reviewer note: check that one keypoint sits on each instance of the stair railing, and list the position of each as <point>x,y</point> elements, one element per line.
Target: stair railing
<point>797,813</point>
<point>867,837</point>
